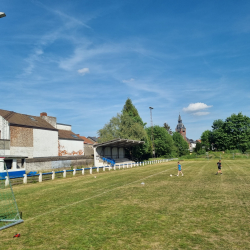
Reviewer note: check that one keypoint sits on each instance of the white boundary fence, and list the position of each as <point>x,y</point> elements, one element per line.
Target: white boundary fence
<point>63,174</point>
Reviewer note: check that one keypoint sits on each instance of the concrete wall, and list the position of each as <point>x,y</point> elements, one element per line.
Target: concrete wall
<point>63,127</point>
<point>45,143</point>
<point>71,147</point>
<point>88,149</point>
<point>4,128</point>
<point>23,151</point>
<point>121,153</point>
<point>55,163</point>
<point>50,119</point>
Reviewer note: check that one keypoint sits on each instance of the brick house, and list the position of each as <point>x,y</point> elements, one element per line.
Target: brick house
<point>36,136</point>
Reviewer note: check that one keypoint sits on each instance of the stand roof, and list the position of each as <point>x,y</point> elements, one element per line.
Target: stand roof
<point>125,143</point>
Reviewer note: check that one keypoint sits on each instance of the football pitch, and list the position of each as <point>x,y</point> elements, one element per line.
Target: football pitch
<point>116,210</point>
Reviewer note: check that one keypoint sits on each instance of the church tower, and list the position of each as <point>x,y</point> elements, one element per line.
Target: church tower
<point>180,128</point>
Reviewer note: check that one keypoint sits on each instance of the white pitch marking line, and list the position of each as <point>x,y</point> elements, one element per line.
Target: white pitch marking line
<point>74,203</point>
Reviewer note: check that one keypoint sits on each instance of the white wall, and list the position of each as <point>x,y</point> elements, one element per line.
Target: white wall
<point>22,151</point>
<point>5,129</point>
<point>71,146</point>
<point>63,127</point>
<point>45,143</point>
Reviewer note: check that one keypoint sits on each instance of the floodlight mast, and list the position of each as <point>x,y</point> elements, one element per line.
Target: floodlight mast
<point>2,14</point>
<point>152,133</point>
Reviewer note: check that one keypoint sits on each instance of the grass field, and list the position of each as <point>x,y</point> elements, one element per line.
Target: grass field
<point>115,211</point>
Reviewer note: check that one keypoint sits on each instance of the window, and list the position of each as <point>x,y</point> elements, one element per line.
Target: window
<point>75,136</point>
<point>32,118</point>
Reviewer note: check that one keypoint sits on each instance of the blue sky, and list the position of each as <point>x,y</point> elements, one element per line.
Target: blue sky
<point>80,60</point>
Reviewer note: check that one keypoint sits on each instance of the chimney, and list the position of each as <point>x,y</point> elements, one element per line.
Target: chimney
<point>43,114</point>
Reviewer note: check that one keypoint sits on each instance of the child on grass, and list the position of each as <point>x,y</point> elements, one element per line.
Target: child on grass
<point>219,167</point>
<point>179,169</point>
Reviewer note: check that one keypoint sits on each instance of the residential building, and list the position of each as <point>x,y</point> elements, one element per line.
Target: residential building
<point>36,136</point>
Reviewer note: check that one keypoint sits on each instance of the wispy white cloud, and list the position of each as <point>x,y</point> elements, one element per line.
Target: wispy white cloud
<point>200,113</point>
<point>192,107</point>
<point>83,71</point>
<point>128,81</point>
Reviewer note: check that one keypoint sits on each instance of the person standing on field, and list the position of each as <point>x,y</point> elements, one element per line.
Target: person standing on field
<point>179,169</point>
<point>219,167</point>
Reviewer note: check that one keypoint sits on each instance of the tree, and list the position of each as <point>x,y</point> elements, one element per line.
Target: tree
<point>110,130</point>
<point>132,127</point>
<point>198,148</point>
<point>217,124</point>
<point>206,138</point>
<point>180,144</point>
<point>233,133</point>
<point>167,127</point>
<point>127,125</point>
<point>163,141</point>
<point>238,127</point>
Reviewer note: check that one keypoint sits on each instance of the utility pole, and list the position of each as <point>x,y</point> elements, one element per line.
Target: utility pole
<point>152,133</point>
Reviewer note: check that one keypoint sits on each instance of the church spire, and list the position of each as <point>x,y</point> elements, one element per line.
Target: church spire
<point>180,128</point>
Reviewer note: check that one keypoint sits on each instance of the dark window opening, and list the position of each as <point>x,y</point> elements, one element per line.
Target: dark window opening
<point>8,164</point>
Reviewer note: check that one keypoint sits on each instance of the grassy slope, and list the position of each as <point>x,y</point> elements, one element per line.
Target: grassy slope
<point>115,211</point>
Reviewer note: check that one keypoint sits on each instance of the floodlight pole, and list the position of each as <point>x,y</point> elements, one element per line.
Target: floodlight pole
<point>152,133</point>
<point>2,14</point>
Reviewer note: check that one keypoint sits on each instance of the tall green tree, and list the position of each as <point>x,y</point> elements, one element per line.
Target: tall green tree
<point>167,127</point>
<point>132,127</point>
<point>181,145</point>
<point>206,138</point>
<point>163,141</point>
<point>233,133</point>
<point>111,130</point>
<point>127,125</point>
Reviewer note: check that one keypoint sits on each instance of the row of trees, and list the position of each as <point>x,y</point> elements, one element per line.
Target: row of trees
<point>231,134</point>
<point>129,125</point>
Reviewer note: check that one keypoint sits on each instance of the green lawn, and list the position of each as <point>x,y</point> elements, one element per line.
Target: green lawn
<point>115,211</point>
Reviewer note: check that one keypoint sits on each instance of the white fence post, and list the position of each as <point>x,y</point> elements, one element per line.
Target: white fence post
<point>114,167</point>
<point>40,177</point>
<point>83,171</point>
<point>64,173</point>
<point>7,181</point>
<point>119,166</point>
<point>104,168</point>
<point>90,170</point>
<point>53,175</point>
<point>109,168</point>
<point>74,171</point>
<point>25,179</point>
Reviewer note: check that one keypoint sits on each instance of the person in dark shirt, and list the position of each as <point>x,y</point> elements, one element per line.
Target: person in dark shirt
<point>219,167</point>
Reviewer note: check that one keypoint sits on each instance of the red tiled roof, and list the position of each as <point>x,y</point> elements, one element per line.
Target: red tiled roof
<point>16,119</point>
<point>86,140</point>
